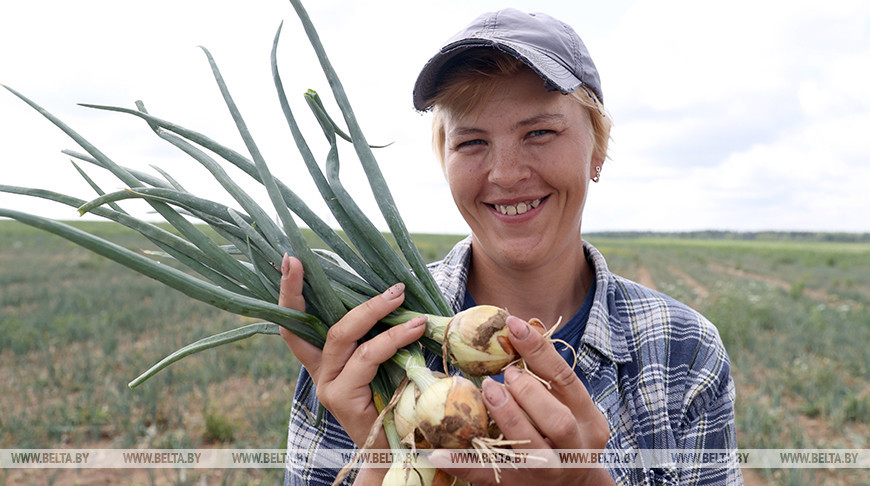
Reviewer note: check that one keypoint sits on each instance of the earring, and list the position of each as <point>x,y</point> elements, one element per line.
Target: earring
<point>597,174</point>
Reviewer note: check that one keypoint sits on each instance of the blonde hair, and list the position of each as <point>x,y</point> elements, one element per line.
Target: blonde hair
<point>469,81</point>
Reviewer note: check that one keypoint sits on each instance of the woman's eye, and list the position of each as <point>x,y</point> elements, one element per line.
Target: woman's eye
<point>469,143</point>
<point>538,133</point>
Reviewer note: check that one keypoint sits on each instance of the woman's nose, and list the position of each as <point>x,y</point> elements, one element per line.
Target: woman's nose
<point>508,167</point>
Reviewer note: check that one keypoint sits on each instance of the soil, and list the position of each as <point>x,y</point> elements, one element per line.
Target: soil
<point>645,278</point>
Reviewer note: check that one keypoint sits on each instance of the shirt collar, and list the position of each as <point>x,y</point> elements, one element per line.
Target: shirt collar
<point>604,330</point>
<point>451,273</point>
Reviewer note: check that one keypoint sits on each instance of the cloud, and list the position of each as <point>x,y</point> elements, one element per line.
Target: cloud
<point>740,115</point>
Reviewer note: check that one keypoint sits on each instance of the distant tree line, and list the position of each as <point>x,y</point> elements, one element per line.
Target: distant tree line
<point>740,235</point>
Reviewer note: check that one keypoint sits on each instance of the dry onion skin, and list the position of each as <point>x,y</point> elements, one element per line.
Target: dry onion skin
<point>404,415</point>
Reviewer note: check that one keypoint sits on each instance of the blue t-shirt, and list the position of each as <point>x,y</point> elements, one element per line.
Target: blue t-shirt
<point>570,333</point>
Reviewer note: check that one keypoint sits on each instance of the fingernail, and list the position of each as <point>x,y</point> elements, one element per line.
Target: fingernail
<point>416,322</point>
<point>539,326</point>
<point>518,328</point>
<point>285,266</point>
<point>494,392</point>
<point>394,291</point>
<point>511,374</point>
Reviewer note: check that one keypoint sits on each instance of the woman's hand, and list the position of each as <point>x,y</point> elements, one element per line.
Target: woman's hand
<point>562,417</point>
<point>344,368</point>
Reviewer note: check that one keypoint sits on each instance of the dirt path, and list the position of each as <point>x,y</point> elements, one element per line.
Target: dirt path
<point>701,292</point>
<point>787,286</point>
<point>644,277</point>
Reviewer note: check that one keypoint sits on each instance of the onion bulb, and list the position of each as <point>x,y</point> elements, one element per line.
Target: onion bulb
<point>451,414</point>
<point>476,341</point>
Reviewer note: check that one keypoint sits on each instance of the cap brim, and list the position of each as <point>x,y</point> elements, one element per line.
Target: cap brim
<point>557,77</point>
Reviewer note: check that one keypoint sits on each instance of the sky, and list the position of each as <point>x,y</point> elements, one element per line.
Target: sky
<point>746,115</point>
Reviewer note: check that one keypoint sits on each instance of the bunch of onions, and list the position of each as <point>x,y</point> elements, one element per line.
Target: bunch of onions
<point>237,272</point>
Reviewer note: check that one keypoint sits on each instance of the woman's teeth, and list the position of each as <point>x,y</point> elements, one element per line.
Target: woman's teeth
<point>514,209</point>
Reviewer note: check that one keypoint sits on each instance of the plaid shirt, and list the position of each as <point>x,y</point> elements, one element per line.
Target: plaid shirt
<point>656,369</point>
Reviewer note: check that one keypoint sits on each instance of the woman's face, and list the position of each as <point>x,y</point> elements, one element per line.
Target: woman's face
<point>518,169</point>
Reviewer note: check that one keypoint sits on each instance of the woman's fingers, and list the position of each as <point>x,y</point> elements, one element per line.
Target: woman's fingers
<point>542,359</point>
<point>555,423</point>
<point>343,370</point>
<point>370,354</point>
<point>362,366</point>
<point>290,296</point>
<point>560,414</point>
<point>341,341</point>
<point>348,368</point>
<point>509,415</point>
<point>348,394</point>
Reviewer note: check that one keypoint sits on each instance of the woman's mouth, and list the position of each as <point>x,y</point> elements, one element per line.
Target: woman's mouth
<point>518,208</point>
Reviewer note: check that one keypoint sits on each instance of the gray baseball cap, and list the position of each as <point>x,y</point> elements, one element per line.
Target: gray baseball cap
<point>547,45</point>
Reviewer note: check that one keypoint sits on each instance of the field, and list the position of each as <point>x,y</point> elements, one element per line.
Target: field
<point>75,328</point>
